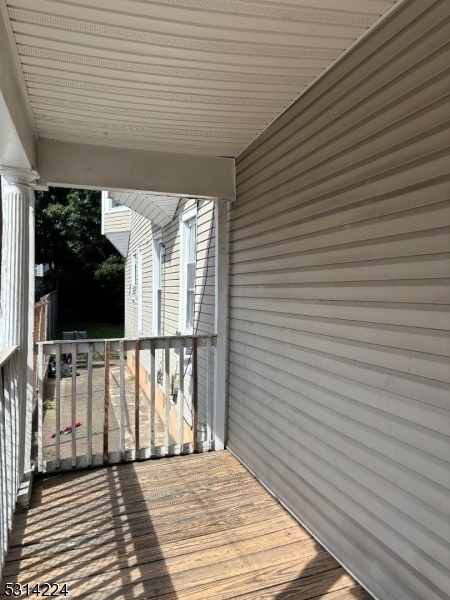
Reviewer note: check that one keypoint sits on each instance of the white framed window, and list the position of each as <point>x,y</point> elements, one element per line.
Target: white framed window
<point>109,204</point>
<point>188,235</point>
<point>158,261</point>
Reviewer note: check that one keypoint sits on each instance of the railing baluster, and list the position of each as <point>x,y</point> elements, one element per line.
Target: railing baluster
<point>152,397</point>
<point>3,486</point>
<point>194,391</point>
<point>40,408</point>
<point>122,399</point>
<point>167,394</point>
<point>57,405</point>
<point>20,444</point>
<point>181,397</point>
<point>90,360</point>
<point>7,438</point>
<point>12,370</point>
<point>106,405</point>
<point>12,399</point>
<point>136,399</point>
<point>208,395</point>
<point>74,405</point>
<point>9,441</point>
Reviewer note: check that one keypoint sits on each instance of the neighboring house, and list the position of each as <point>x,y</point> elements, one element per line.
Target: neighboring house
<point>169,246</point>
<point>43,285</point>
<point>41,269</point>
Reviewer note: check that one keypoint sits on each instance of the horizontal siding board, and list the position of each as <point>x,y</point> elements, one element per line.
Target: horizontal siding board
<point>423,291</point>
<point>208,289</point>
<point>406,338</point>
<point>432,498</point>
<point>347,78</point>
<point>405,247</point>
<point>116,221</point>
<point>405,507</point>
<point>339,307</point>
<point>333,211</point>
<point>307,238</point>
<point>321,514</point>
<point>418,86</point>
<point>413,375</point>
<point>341,523</point>
<point>340,396</point>
<point>389,314</point>
<point>402,177</point>
<point>329,176</point>
<point>382,142</point>
<point>408,184</point>
<point>412,268</point>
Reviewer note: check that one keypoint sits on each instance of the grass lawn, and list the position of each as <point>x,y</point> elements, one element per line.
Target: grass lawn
<point>94,330</point>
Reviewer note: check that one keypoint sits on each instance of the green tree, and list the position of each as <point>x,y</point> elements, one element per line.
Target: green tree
<point>86,268</point>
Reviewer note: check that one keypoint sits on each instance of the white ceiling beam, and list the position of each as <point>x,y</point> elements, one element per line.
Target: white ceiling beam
<point>17,130</point>
<point>66,164</point>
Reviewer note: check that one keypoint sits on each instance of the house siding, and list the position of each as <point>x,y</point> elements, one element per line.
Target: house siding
<point>115,221</point>
<point>204,313</point>
<point>116,227</point>
<point>141,237</point>
<point>339,308</point>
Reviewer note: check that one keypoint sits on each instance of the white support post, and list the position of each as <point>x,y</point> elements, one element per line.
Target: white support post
<point>17,291</point>
<point>221,318</point>
<point>30,357</point>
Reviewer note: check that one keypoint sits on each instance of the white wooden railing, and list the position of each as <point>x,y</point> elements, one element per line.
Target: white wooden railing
<point>10,444</point>
<point>122,400</point>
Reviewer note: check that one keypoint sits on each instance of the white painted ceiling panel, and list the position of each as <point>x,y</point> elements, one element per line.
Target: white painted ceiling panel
<point>191,76</point>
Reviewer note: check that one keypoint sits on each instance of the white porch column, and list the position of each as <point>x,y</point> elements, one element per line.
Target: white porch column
<point>221,318</point>
<point>17,289</point>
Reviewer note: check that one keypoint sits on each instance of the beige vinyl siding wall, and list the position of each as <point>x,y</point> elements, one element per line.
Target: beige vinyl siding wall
<point>115,221</point>
<point>140,238</point>
<point>171,240</point>
<point>339,308</point>
<point>142,232</point>
<point>204,319</point>
<point>204,322</point>
<point>204,316</point>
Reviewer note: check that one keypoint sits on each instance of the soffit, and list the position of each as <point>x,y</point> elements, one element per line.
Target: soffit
<point>120,241</point>
<point>190,76</point>
<point>160,210</point>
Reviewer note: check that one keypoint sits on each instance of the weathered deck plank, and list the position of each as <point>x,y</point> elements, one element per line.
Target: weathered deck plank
<point>187,528</point>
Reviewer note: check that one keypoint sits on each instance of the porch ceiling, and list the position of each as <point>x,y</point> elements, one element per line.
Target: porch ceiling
<point>186,76</point>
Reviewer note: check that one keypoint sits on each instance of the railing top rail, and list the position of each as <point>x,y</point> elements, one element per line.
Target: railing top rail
<point>145,343</point>
<point>6,354</point>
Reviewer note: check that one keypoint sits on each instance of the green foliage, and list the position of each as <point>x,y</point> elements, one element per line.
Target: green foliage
<point>87,270</point>
<point>48,404</point>
<point>109,271</point>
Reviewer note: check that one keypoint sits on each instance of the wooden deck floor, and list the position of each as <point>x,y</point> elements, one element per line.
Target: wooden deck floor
<point>185,528</point>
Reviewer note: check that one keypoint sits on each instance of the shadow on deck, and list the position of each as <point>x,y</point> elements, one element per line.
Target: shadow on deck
<point>189,528</point>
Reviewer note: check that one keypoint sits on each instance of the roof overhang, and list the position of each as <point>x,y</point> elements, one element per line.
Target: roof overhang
<point>17,131</point>
<point>160,96</point>
<point>160,210</point>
